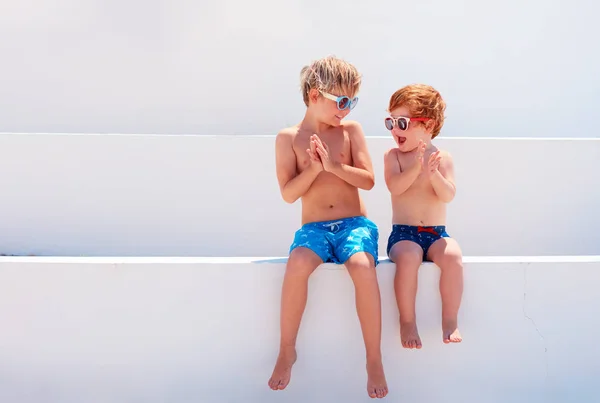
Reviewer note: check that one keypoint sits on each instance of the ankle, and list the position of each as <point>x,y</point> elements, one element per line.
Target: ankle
<point>374,358</point>
<point>287,348</point>
<point>450,320</point>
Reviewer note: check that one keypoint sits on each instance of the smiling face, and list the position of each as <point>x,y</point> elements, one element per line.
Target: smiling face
<point>416,113</point>
<point>408,130</point>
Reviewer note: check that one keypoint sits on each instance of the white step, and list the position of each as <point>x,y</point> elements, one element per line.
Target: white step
<point>206,330</point>
<point>132,195</point>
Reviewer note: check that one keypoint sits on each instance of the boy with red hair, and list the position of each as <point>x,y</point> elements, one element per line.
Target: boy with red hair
<point>420,178</point>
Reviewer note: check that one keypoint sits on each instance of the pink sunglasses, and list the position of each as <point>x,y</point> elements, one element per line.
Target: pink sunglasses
<point>401,121</point>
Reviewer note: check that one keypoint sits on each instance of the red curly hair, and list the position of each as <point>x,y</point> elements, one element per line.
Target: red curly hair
<point>423,101</point>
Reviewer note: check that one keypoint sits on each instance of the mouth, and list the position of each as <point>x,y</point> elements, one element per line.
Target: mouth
<point>401,140</point>
<point>338,117</point>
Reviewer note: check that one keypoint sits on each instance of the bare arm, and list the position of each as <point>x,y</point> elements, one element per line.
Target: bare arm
<point>360,174</point>
<point>396,180</point>
<point>292,185</point>
<point>442,179</point>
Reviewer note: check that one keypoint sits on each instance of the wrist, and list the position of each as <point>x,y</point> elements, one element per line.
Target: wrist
<point>334,167</point>
<point>315,168</point>
<point>435,175</point>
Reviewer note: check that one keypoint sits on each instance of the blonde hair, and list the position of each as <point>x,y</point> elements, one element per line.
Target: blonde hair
<point>329,74</point>
<point>423,101</point>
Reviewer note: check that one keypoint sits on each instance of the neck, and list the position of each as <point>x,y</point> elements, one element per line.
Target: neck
<point>312,123</point>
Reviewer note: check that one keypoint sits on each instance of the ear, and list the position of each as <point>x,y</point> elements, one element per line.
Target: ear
<point>313,95</point>
<point>429,125</point>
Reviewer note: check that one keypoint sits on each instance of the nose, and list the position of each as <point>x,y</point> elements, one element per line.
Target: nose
<point>344,113</point>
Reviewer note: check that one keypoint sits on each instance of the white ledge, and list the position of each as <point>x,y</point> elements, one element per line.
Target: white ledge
<point>227,260</point>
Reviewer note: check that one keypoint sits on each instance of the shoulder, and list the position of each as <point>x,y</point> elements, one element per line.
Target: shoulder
<point>391,153</point>
<point>391,157</point>
<point>447,162</point>
<point>286,135</point>
<point>288,132</point>
<point>445,154</point>
<point>284,142</point>
<point>353,128</point>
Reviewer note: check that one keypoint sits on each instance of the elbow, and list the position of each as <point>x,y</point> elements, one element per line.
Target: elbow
<point>288,198</point>
<point>394,189</point>
<point>369,183</point>
<point>388,184</point>
<point>448,197</point>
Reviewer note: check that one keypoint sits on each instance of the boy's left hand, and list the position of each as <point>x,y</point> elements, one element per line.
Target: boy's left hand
<point>434,163</point>
<point>323,152</point>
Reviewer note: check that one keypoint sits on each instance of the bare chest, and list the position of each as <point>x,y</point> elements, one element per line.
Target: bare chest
<point>422,183</point>
<point>339,149</point>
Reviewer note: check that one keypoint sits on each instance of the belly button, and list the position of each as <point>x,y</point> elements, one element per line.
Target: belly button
<point>331,206</point>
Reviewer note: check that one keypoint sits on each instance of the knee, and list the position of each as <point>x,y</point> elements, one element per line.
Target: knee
<point>406,255</point>
<point>451,261</point>
<point>361,264</point>
<point>302,262</point>
<point>408,261</point>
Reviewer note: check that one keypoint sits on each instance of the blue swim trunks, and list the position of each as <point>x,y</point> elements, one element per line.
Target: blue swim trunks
<point>336,240</point>
<point>423,236</point>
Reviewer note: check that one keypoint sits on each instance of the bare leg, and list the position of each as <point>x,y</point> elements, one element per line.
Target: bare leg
<point>446,254</point>
<point>301,263</point>
<point>408,257</point>
<point>361,267</point>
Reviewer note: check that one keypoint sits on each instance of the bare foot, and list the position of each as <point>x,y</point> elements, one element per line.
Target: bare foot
<point>283,368</point>
<point>409,335</point>
<point>376,384</point>
<point>450,331</point>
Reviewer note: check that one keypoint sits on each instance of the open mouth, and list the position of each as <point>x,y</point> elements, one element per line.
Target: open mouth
<point>401,140</point>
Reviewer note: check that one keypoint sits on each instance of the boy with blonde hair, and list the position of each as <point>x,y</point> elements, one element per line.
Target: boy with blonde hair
<point>323,161</point>
<point>420,178</point>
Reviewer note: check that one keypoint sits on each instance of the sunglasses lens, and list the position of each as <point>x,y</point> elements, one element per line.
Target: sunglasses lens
<point>343,103</point>
<point>353,102</point>
<point>402,124</point>
<point>389,124</point>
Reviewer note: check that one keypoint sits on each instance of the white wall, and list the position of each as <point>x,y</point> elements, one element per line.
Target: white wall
<point>218,196</point>
<point>509,68</point>
<point>206,330</point>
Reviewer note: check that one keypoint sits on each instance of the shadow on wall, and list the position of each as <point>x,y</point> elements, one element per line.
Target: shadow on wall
<point>284,260</point>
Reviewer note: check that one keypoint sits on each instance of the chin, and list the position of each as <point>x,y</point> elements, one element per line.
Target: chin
<point>406,147</point>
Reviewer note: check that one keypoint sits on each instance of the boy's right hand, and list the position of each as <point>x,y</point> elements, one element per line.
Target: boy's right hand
<point>315,160</point>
